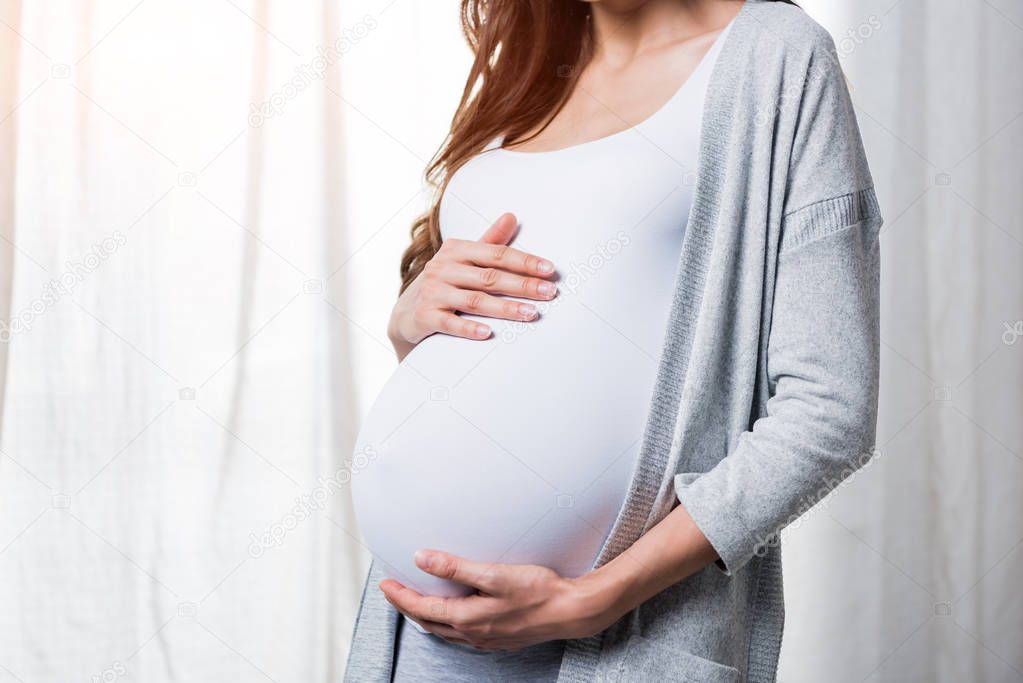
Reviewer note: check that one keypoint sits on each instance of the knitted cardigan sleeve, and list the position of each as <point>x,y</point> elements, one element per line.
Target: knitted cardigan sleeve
<point>822,356</point>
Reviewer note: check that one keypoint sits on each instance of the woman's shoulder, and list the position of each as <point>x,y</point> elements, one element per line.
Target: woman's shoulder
<point>787,28</point>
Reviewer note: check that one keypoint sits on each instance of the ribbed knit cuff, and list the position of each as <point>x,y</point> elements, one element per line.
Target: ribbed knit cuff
<point>821,218</point>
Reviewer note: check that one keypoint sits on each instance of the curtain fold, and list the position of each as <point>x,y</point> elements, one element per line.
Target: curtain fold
<point>9,50</point>
<point>910,572</point>
<point>179,398</point>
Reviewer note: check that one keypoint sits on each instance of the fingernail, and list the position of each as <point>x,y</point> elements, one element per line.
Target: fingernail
<point>547,288</point>
<point>423,559</point>
<point>545,267</point>
<point>526,311</point>
<point>482,331</point>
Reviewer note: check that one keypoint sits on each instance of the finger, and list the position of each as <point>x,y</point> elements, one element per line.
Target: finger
<point>498,281</point>
<point>411,603</point>
<point>485,576</point>
<point>481,303</point>
<point>448,633</point>
<point>455,325</point>
<point>503,257</point>
<point>454,635</point>
<point>502,231</point>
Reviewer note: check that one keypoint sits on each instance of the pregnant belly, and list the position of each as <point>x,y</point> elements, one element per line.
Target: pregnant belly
<point>517,449</point>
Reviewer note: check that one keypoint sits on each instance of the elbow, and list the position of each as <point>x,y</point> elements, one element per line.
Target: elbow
<point>845,436</point>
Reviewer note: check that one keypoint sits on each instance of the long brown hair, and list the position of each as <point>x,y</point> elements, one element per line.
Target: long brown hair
<point>527,58</point>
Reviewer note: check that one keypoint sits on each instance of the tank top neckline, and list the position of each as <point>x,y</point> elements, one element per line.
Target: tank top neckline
<point>699,74</point>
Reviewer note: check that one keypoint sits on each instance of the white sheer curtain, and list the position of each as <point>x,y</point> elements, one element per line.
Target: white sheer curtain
<point>173,417</point>
<point>911,572</point>
<point>178,397</point>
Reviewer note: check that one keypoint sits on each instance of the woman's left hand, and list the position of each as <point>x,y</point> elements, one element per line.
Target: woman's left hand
<point>515,606</point>
<point>518,605</point>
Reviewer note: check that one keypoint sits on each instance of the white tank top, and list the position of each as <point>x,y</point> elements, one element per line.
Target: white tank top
<point>520,448</point>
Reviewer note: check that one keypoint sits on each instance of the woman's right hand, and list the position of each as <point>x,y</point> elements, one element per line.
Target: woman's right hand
<point>463,277</point>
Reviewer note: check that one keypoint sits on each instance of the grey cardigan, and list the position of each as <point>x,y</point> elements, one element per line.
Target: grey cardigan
<point>766,394</point>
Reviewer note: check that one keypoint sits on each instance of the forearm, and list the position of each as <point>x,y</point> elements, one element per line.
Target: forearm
<point>672,550</point>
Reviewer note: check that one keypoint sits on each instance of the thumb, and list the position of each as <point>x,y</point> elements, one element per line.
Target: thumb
<point>480,575</point>
<point>502,230</point>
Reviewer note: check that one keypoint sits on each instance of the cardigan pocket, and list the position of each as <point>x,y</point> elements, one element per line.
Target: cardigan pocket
<point>648,660</point>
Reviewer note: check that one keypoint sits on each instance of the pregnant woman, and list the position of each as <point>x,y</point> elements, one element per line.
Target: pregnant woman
<point>638,336</point>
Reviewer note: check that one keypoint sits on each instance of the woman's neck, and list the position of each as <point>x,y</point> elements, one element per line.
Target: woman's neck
<point>621,33</point>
